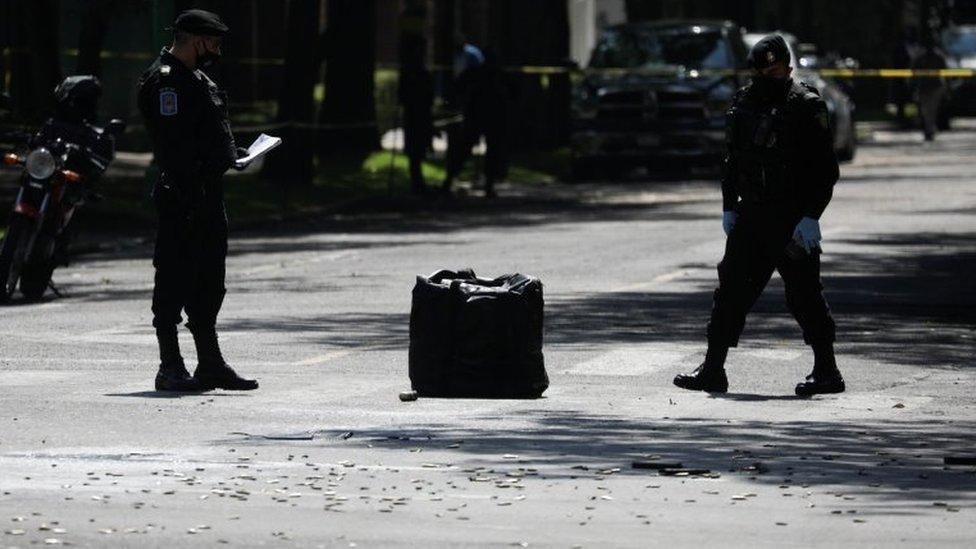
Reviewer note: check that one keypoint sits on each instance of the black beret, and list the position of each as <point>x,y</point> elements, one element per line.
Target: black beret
<point>201,23</point>
<point>770,50</point>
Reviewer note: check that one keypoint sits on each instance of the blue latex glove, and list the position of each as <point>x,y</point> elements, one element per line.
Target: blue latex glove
<point>728,221</point>
<point>807,234</point>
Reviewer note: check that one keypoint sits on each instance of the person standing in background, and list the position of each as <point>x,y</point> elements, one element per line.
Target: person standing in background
<point>929,90</point>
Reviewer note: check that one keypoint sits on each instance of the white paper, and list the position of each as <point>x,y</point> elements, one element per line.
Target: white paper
<point>260,147</point>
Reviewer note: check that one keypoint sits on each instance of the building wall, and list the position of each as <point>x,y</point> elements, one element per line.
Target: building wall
<point>586,19</point>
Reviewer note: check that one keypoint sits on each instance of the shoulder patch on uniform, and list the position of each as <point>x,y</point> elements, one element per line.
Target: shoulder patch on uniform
<point>168,102</point>
<point>165,69</point>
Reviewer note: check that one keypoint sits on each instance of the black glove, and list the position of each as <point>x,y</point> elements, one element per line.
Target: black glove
<point>241,153</point>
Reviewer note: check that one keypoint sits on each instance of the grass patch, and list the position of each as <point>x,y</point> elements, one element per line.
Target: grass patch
<point>127,206</point>
<point>384,164</point>
<point>541,167</point>
<point>526,169</point>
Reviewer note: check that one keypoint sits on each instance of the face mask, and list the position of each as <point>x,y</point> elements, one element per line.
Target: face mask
<point>767,86</point>
<point>207,58</point>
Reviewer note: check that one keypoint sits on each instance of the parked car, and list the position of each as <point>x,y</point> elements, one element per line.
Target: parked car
<point>656,94</point>
<point>959,43</point>
<point>840,106</point>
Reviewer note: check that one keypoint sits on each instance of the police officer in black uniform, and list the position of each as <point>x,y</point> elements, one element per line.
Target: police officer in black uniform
<point>415,93</point>
<point>186,116</point>
<point>480,92</point>
<point>780,173</point>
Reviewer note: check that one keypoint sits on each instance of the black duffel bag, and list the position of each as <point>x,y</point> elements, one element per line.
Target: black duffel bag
<point>477,338</point>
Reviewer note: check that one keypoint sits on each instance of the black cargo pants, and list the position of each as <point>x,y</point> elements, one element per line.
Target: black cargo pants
<point>481,118</point>
<point>190,259</point>
<point>754,249</point>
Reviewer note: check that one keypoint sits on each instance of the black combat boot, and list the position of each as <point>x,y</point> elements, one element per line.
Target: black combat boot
<point>825,378</point>
<point>710,376</point>
<point>172,374</point>
<point>212,371</point>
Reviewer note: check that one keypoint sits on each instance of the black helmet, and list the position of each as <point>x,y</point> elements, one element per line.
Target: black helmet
<point>77,98</point>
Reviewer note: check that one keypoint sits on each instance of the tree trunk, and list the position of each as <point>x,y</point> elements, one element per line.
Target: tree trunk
<point>92,36</point>
<point>36,67</point>
<point>534,33</point>
<point>350,66</point>
<point>292,163</point>
<point>444,34</point>
<point>560,85</point>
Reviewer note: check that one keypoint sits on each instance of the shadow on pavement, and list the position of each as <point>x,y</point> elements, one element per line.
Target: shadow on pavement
<point>897,460</point>
<point>751,397</point>
<point>407,214</point>
<point>266,245</point>
<point>904,300</point>
<point>908,300</point>
<point>172,395</point>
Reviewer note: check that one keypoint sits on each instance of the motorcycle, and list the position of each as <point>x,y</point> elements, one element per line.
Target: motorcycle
<point>65,159</point>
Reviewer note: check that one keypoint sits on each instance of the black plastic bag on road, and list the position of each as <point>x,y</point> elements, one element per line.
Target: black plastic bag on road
<point>477,338</point>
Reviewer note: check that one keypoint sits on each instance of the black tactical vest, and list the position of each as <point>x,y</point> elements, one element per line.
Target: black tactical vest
<point>763,139</point>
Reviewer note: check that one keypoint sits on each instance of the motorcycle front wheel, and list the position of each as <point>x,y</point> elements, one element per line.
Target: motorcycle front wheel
<point>12,253</point>
<point>35,276</point>
<point>35,279</point>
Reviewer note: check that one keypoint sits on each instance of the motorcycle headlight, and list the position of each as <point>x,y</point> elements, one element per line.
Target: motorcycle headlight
<point>41,164</point>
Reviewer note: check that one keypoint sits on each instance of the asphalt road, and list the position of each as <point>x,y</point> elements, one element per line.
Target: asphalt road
<point>324,454</point>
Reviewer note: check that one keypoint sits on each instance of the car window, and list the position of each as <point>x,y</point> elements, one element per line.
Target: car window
<point>634,48</point>
<point>960,42</point>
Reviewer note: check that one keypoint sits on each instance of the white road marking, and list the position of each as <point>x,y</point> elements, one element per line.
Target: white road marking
<point>681,273</point>
<point>316,258</point>
<point>334,355</point>
<point>636,360</point>
<point>773,354</point>
<point>660,279</point>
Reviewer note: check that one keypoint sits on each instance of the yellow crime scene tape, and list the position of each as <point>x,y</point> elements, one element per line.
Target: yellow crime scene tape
<point>538,70</point>
<point>829,73</point>
<point>547,70</point>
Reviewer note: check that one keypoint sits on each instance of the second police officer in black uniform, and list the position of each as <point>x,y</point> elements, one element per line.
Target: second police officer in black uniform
<point>186,116</point>
<point>780,173</point>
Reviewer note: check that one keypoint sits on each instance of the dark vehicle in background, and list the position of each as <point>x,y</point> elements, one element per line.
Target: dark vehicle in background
<point>840,106</point>
<point>959,44</point>
<point>655,95</point>
<point>59,166</point>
